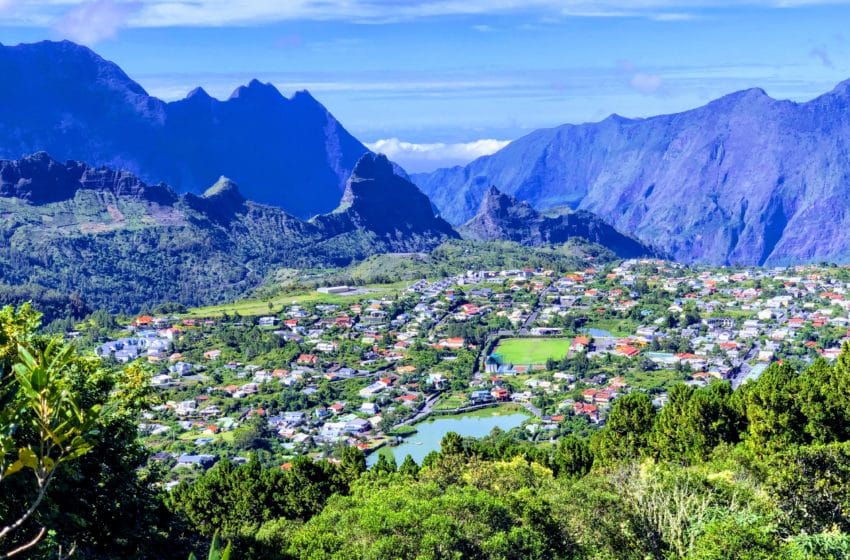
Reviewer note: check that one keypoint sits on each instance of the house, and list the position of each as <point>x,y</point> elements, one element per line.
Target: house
<point>500,394</point>
<point>212,354</point>
<point>307,360</point>
<point>185,408</point>
<point>481,397</point>
<point>195,461</point>
<point>370,408</point>
<point>268,321</point>
<point>589,410</point>
<point>454,343</point>
<point>357,426</point>
<point>372,389</point>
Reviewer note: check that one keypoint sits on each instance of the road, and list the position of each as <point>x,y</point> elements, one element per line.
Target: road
<point>745,368</point>
<point>423,412</point>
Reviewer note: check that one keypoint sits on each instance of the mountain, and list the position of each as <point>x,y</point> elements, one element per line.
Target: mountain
<point>120,243</point>
<point>745,179</point>
<point>504,217</point>
<point>68,101</point>
<point>390,206</point>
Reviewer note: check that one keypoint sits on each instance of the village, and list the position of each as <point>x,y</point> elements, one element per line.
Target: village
<point>364,369</point>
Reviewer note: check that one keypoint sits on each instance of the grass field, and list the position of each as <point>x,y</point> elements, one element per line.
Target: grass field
<point>531,351</point>
<point>257,307</point>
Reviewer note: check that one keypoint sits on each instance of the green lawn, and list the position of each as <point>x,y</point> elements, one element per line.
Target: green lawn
<point>531,351</point>
<point>256,307</point>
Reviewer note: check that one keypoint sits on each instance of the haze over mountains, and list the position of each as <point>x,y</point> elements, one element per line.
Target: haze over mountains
<point>70,102</point>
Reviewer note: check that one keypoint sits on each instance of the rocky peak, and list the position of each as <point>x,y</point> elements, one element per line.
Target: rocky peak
<point>504,217</point>
<point>500,205</point>
<point>224,190</point>
<point>379,200</point>
<point>256,90</point>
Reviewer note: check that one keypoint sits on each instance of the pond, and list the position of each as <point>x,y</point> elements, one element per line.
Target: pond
<point>598,333</point>
<point>430,432</point>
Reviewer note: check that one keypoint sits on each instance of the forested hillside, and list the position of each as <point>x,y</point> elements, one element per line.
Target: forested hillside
<point>98,237</point>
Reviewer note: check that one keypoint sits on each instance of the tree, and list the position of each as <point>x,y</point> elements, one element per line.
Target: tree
<point>572,457</point>
<point>385,464</point>
<point>626,432</point>
<point>42,423</point>
<point>352,464</point>
<point>253,435</point>
<point>772,410</point>
<point>409,467</point>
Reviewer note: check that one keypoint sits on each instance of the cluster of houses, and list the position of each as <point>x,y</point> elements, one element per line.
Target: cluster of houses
<point>713,324</point>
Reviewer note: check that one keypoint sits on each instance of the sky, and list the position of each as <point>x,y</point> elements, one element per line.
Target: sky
<point>439,82</point>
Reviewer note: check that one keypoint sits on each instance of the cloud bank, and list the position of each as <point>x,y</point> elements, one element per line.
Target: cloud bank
<point>416,158</point>
<point>92,22</point>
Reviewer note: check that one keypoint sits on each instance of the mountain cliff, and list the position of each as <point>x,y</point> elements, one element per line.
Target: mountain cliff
<point>745,179</point>
<point>503,217</point>
<point>70,102</point>
<point>120,243</point>
<point>394,209</point>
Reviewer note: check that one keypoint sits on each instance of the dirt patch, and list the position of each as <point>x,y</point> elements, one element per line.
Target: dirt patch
<point>114,213</point>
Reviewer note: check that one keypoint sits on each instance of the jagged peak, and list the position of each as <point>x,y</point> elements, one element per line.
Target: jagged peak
<point>372,166</point>
<point>224,187</point>
<point>199,93</point>
<point>304,96</point>
<point>256,88</point>
<point>492,191</point>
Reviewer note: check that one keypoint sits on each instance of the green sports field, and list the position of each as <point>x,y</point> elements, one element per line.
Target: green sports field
<point>531,351</point>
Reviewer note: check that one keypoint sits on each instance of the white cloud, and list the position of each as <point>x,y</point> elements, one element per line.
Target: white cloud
<point>427,157</point>
<point>645,83</point>
<point>94,21</point>
<point>166,13</point>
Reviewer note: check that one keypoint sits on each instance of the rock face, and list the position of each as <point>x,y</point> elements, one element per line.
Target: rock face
<point>39,179</point>
<point>65,99</point>
<point>378,200</point>
<point>745,179</point>
<point>503,217</point>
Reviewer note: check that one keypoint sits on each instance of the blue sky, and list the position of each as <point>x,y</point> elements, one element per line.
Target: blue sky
<point>438,82</point>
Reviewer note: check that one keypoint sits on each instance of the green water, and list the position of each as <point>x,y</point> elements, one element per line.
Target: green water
<point>431,432</point>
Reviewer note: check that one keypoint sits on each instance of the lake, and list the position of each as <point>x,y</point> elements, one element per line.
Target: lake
<point>431,432</point>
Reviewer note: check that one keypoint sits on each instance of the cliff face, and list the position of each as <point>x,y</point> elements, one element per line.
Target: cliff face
<point>745,179</point>
<point>379,201</point>
<point>503,217</point>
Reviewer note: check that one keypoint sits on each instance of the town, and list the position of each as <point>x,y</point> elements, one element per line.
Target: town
<point>548,352</point>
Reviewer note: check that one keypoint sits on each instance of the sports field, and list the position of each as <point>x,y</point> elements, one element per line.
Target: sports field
<point>531,351</point>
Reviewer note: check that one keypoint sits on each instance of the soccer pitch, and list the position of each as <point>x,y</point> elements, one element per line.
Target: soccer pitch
<point>532,351</point>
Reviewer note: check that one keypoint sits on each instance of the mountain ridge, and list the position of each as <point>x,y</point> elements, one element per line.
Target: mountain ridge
<point>744,179</point>
<point>504,217</point>
<point>76,105</point>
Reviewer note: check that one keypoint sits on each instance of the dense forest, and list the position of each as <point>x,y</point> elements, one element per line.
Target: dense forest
<point>759,473</point>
